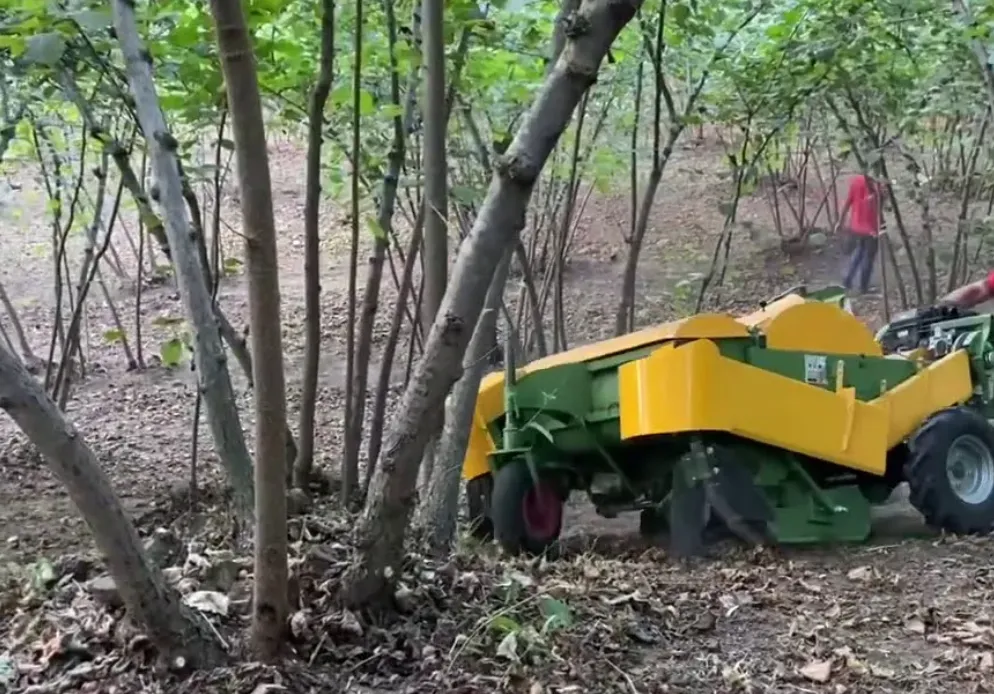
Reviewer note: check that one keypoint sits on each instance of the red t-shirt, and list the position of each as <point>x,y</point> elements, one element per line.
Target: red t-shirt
<point>864,211</point>
<point>990,281</point>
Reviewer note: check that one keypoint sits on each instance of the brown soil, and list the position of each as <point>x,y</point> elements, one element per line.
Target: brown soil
<point>915,620</point>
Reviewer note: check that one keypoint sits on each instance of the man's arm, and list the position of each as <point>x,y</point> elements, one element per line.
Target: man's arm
<point>970,295</point>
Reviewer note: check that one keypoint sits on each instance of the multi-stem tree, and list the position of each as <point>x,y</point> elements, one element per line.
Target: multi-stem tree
<point>383,525</point>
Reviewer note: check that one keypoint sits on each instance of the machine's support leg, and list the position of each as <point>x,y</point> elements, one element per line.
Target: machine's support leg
<point>705,485</point>
<point>688,505</point>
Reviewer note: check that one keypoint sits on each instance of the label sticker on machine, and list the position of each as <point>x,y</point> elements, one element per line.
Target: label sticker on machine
<point>816,369</point>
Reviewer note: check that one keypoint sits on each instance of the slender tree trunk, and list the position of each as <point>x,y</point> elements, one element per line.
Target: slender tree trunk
<point>22,340</point>
<point>383,524</point>
<point>211,363</point>
<point>178,633</point>
<point>436,176</point>
<point>440,507</point>
<point>312,249</point>
<point>270,607</point>
<point>350,466</point>
<point>359,381</point>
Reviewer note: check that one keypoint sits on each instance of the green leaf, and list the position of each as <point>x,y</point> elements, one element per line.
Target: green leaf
<point>503,624</point>
<point>166,321</point>
<point>366,102</point>
<point>171,352</point>
<point>46,48</point>
<point>341,96</point>
<point>467,195</point>
<point>93,20</point>
<point>43,574</point>
<point>392,110</point>
<point>375,229</point>
<point>556,613</point>
<point>113,336</point>
<point>227,144</point>
<point>231,265</point>
<point>15,44</point>
<point>679,14</point>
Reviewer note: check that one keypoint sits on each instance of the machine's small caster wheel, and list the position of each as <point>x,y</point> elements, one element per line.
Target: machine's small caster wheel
<point>527,517</point>
<point>654,522</point>
<point>478,493</point>
<point>950,472</point>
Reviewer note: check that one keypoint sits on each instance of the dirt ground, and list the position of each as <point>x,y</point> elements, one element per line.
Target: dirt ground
<point>906,613</point>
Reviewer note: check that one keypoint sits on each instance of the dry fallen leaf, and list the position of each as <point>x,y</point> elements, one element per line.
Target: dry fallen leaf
<point>208,601</point>
<point>860,573</point>
<point>817,671</point>
<point>915,626</point>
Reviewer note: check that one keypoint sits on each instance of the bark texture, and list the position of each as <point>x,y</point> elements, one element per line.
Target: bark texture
<point>382,527</point>
<point>178,633</point>
<point>270,606</point>
<point>440,507</point>
<point>209,356</point>
<point>436,186</point>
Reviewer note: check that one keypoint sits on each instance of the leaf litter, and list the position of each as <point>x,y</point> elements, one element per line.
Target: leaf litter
<point>631,620</point>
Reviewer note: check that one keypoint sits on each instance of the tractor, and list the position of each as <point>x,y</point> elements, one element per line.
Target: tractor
<point>785,425</point>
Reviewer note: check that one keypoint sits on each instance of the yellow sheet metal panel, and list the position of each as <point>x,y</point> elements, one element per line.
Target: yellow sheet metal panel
<point>759,319</point>
<point>941,384</point>
<point>693,388</point>
<point>820,327</point>
<point>712,326</point>
<point>489,406</point>
<point>480,446</point>
<point>707,325</point>
<point>490,399</point>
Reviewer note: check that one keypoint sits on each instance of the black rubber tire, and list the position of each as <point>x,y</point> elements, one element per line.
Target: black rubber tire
<point>928,482</point>
<point>512,483</point>
<point>654,522</point>
<point>479,491</point>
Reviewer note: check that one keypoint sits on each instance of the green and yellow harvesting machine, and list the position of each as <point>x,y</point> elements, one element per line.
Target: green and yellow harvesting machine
<point>785,425</point>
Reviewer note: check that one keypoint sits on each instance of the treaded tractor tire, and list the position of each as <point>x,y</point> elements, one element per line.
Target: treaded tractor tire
<point>932,491</point>
<point>653,522</point>
<point>478,494</point>
<point>514,504</point>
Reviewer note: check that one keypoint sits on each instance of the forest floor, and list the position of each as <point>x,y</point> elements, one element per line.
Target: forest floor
<point>909,612</point>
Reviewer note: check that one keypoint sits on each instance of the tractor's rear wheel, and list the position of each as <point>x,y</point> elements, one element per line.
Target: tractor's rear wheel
<point>527,516</point>
<point>950,472</point>
<point>478,494</point>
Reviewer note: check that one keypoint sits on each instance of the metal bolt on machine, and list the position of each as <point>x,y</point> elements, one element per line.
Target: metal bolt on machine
<point>785,425</point>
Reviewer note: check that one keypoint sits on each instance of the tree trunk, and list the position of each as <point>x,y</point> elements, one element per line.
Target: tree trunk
<point>15,321</point>
<point>312,249</point>
<point>440,507</point>
<point>350,465</point>
<point>270,608</point>
<point>436,177</point>
<point>402,125</point>
<point>211,363</point>
<point>178,633</point>
<point>384,522</point>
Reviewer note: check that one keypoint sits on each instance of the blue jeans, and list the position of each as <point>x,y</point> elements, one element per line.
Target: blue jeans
<point>861,257</point>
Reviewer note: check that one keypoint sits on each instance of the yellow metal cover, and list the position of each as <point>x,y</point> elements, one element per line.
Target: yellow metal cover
<point>692,387</point>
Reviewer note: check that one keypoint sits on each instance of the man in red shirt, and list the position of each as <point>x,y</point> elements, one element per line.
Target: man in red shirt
<point>970,295</point>
<point>865,218</point>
